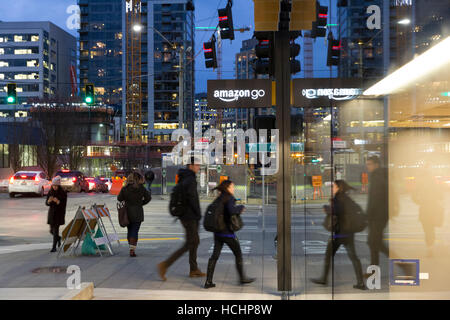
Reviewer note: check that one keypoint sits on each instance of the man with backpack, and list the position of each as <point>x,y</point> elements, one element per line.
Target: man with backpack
<point>185,205</point>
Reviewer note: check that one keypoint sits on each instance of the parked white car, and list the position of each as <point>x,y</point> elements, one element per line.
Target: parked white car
<point>25,182</point>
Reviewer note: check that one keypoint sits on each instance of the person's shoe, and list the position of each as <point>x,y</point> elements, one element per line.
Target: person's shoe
<point>162,269</point>
<point>247,280</point>
<point>318,281</point>
<point>53,250</point>
<point>360,286</point>
<point>197,274</point>
<point>209,285</point>
<point>132,253</point>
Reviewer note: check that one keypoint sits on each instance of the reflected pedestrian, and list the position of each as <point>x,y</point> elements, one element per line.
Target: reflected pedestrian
<point>135,196</point>
<point>429,197</point>
<point>340,204</point>
<point>57,201</point>
<point>377,209</point>
<point>190,221</point>
<point>228,237</point>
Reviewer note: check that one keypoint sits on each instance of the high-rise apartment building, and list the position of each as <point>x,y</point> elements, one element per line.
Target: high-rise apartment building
<point>40,58</point>
<point>101,48</point>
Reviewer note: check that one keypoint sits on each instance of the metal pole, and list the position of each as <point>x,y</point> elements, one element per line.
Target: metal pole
<point>181,88</point>
<point>283,77</point>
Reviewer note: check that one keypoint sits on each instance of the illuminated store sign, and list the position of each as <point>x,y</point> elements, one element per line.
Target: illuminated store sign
<point>239,93</point>
<point>333,94</point>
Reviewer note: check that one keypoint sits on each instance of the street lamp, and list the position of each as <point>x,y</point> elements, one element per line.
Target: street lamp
<point>137,28</point>
<point>404,21</point>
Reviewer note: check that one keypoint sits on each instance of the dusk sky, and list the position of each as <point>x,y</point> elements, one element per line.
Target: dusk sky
<point>205,16</point>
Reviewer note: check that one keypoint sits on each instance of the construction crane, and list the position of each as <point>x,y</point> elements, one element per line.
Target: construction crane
<point>134,129</point>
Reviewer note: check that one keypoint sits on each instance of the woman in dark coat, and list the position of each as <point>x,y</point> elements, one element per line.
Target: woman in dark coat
<point>135,196</point>
<point>227,236</point>
<point>340,205</point>
<point>57,201</point>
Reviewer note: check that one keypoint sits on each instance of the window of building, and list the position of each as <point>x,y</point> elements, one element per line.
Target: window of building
<point>4,64</point>
<point>4,156</point>
<point>34,38</point>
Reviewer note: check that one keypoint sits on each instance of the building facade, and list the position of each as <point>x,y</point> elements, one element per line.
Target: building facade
<point>40,58</point>
<point>101,48</point>
<point>170,21</point>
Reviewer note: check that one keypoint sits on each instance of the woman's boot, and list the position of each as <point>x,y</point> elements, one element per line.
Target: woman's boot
<point>210,274</point>
<point>55,241</point>
<point>132,242</point>
<point>242,278</point>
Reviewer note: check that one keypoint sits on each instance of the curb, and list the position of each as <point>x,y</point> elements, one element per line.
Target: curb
<point>85,293</point>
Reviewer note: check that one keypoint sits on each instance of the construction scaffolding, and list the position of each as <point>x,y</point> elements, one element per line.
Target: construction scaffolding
<point>134,129</point>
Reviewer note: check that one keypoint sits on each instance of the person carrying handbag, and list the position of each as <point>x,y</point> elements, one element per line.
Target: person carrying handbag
<point>337,222</point>
<point>135,196</point>
<point>233,223</point>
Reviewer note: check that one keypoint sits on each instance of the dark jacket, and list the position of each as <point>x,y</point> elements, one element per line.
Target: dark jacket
<point>56,212</point>
<point>377,205</point>
<point>341,204</point>
<point>135,198</point>
<point>189,182</point>
<point>230,209</point>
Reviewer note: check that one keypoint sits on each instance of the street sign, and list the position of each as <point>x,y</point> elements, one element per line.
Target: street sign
<point>163,172</point>
<point>317,181</point>
<point>261,147</point>
<point>339,144</point>
<point>251,93</point>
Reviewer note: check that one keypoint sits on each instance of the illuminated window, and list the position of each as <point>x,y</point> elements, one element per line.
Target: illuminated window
<point>23,51</point>
<point>34,38</point>
<point>19,38</point>
<point>32,63</point>
<point>4,64</point>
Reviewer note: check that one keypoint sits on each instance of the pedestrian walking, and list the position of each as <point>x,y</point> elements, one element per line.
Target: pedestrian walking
<point>227,236</point>
<point>377,209</point>
<point>135,196</point>
<point>57,201</point>
<point>341,203</point>
<point>190,218</point>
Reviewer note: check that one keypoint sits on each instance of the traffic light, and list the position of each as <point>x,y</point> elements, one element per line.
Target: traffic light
<point>264,53</point>
<point>11,97</point>
<point>294,52</point>
<point>334,48</point>
<point>89,94</point>
<point>209,49</point>
<point>226,22</point>
<point>319,26</point>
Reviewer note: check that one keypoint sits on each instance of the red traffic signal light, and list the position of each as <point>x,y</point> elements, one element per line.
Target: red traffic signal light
<point>334,49</point>
<point>226,22</point>
<point>209,50</point>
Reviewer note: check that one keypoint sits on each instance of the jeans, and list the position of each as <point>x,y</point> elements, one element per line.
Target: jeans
<point>191,244</point>
<point>349,244</point>
<point>133,230</point>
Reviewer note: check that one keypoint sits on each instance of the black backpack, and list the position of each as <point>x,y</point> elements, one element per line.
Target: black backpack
<point>177,205</point>
<point>355,218</point>
<point>214,220</point>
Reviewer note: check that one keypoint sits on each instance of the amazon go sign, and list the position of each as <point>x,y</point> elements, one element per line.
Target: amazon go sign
<point>255,93</point>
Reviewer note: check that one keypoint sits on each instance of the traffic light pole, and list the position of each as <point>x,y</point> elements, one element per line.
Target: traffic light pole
<point>283,123</point>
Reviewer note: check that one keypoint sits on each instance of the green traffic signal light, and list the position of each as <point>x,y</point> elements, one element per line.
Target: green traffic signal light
<point>89,97</point>
<point>11,97</point>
